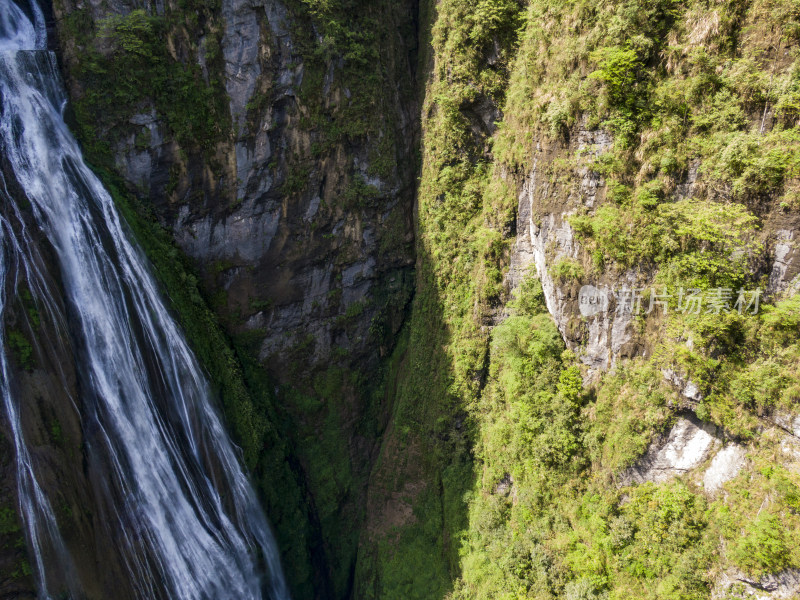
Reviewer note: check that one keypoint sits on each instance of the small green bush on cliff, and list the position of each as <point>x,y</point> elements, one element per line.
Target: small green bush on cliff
<point>763,548</point>
<point>21,348</point>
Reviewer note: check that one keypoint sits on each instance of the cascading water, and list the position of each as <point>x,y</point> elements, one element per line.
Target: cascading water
<point>184,516</point>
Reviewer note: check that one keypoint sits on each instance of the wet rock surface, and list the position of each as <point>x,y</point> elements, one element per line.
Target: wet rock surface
<point>45,376</point>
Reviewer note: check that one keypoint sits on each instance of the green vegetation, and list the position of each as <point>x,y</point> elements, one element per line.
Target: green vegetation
<point>695,243</point>
<point>425,467</point>
<point>689,92</point>
<point>125,67</point>
<point>21,349</point>
<point>566,269</point>
<point>353,55</point>
<point>359,194</point>
<point>764,547</point>
<point>8,521</point>
<point>351,32</point>
<point>546,521</point>
<point>11,537</point>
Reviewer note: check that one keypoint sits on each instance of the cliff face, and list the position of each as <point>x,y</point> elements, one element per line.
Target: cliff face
<point>277,143</point>
<point>292,196</point>
<point>297,202</point>
<point>505,438</point>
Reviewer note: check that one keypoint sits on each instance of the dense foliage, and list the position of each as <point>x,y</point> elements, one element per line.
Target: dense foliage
<point>689,91</point>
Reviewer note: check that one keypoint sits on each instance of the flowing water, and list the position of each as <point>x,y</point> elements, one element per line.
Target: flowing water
<point>186,518</point>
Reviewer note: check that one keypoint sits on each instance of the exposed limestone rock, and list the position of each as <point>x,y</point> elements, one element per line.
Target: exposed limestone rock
<point>790,448</point>
<point>598,338</point>
<point>544,237</point>
<point>734,584</point>
<point>138,153</point>
<point>724,466</point>
<point>686,189</point>
<point>789,426</point>
<point>245,235</point>
<point>591,144</point>
<point>504,486</point>
<point>254,64</point>
<point>788,422</point>
<point>240,48</point>
<point>549,195</point>
<point>782,271</point>
<point>293,261</point>
<point>687,388</point>
<point>688,444</point>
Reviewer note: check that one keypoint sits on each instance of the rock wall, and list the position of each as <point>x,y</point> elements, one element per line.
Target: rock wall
<point>549,195</point>
<point>272,218</point>
<point>299,220</point>
<point>545,237</point>
<point>295,206</point>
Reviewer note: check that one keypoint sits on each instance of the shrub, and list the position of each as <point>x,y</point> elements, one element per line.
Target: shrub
<point>567,269</point>
<point>762,548</point>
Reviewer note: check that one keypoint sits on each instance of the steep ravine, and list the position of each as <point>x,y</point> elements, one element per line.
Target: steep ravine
<point>418,377</point>
<point>122,464</point>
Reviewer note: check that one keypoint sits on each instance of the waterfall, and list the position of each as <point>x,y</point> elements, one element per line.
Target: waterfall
<point>187,520</point>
